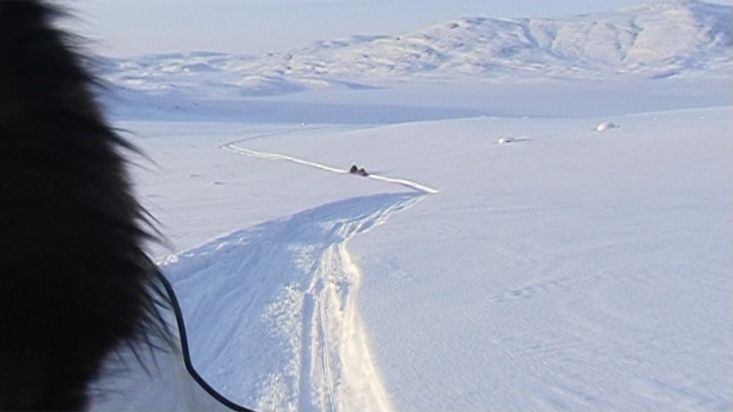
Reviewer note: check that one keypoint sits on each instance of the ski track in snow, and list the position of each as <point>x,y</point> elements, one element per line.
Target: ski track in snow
<point>296,289</point>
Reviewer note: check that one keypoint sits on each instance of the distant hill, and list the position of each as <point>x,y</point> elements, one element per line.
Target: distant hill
<point>661,39</point>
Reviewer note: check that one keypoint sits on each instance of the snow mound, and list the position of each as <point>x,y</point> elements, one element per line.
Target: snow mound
<point>603,126</point>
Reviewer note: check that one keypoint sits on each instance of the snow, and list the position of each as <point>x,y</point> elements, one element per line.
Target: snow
<point>559,272</point>
<point>537,280</point>
<point>532,279</point>
<point>603,126</point>
<point>672,39</point>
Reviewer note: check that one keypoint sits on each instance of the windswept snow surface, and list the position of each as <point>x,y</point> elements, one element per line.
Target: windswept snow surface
<point>569,270</point>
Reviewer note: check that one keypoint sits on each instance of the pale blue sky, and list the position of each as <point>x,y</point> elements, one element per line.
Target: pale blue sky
<point>132,27</point>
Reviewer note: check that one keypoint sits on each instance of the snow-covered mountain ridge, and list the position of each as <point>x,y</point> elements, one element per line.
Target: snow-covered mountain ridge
<point>663,36</point>
<point>676,38</point>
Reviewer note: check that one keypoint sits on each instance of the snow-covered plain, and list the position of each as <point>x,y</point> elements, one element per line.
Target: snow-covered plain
<point>565,269</point>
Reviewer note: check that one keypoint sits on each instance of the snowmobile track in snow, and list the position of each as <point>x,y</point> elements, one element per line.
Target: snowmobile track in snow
<point>295,324</point>
<point>234,147</point>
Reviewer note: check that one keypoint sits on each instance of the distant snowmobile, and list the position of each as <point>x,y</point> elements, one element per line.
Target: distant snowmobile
<point>354,170</point>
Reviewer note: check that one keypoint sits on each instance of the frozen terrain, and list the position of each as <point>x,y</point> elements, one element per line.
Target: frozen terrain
<point>678,39</point>
<point>565,269</point>
<point>568,269</point>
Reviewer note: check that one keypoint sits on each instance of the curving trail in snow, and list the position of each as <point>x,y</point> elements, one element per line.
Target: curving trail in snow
<point>234,147</point>
<point>283,301</point>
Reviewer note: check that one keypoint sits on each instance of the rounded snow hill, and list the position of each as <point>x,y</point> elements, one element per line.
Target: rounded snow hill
<point>505,140</point>
<point>602,127</point>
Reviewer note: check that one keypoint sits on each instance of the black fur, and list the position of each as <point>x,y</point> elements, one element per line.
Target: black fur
<point>75,283</point>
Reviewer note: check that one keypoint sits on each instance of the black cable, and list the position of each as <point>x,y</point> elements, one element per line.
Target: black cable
<point>187,355</point>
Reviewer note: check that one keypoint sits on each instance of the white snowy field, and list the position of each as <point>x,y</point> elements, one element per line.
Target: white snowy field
<point>568,269</point>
